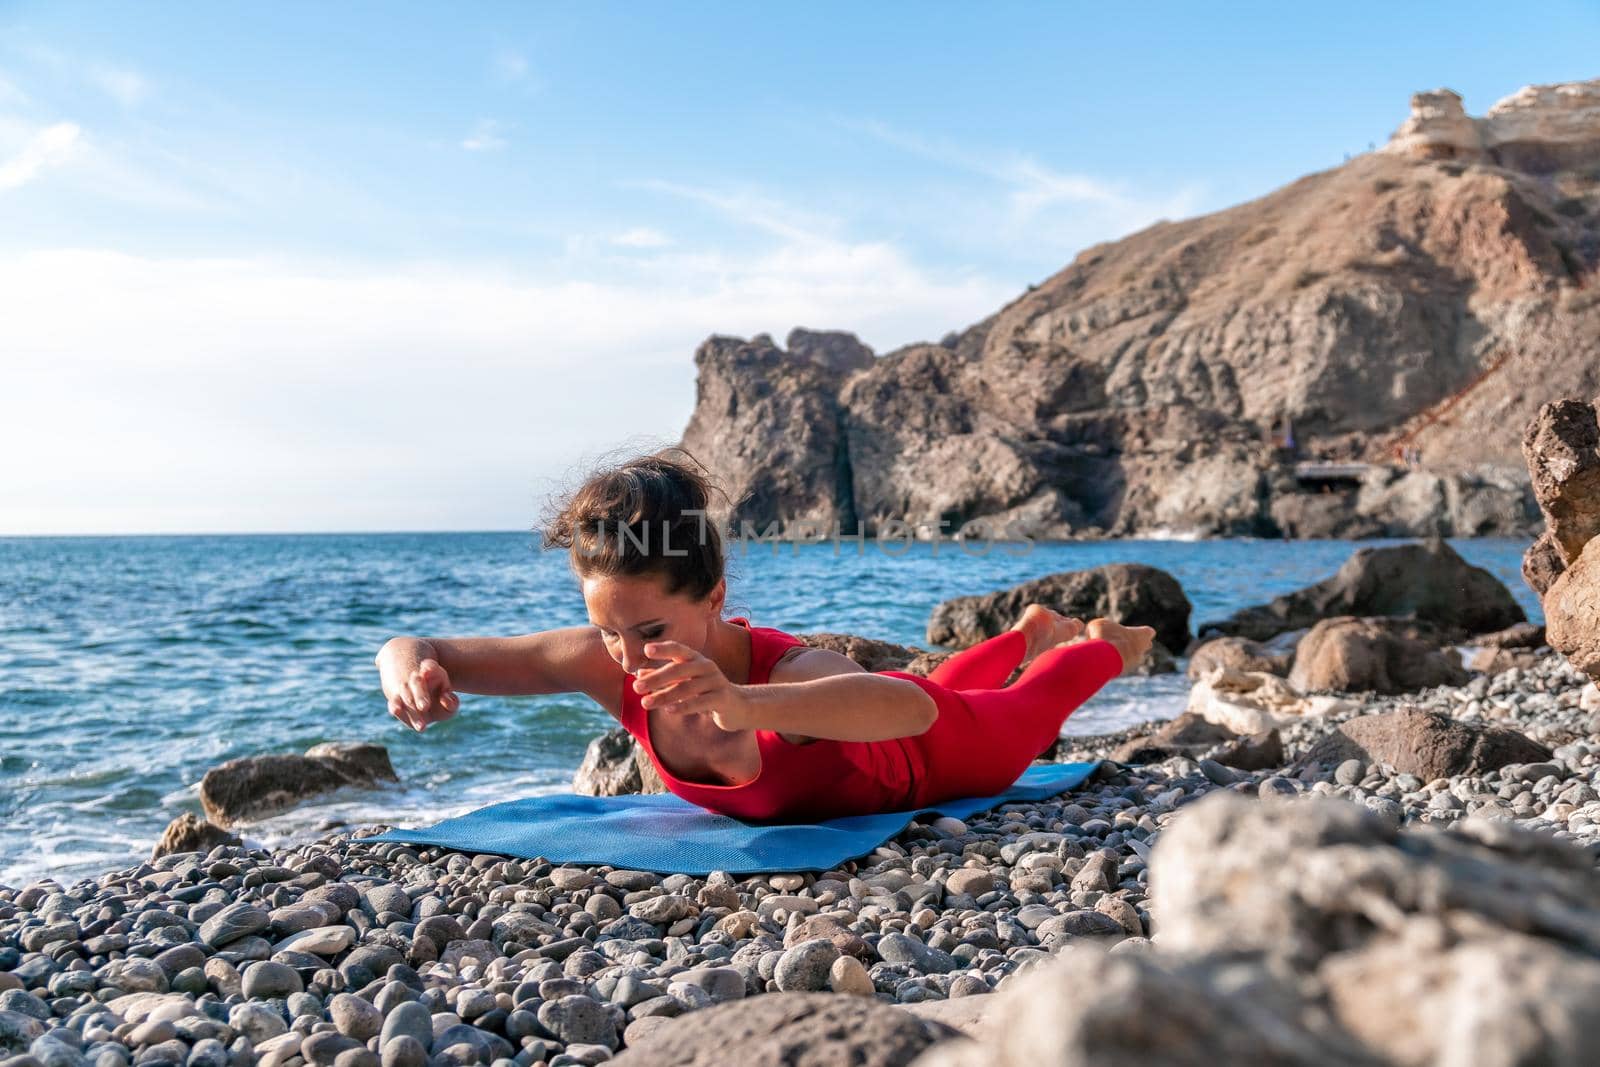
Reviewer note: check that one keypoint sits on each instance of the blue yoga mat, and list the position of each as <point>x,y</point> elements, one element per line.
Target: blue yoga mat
<point>664,834</point>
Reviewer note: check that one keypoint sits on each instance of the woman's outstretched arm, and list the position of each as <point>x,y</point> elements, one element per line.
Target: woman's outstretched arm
<point>421,675</point>
<point>824,696</point>
<point>840,707</point>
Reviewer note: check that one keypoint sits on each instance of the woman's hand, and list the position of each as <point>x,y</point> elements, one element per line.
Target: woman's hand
<point>416,687</point>
<point>1132,641</point>
<point>690,682</point>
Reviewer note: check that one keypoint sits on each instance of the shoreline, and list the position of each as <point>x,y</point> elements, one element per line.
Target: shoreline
<point>309,954</point>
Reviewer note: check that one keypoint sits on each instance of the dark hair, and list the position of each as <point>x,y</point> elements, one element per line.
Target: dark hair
<point>648,516</point>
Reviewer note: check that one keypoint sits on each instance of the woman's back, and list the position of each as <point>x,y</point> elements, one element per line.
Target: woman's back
<point>816,780</point>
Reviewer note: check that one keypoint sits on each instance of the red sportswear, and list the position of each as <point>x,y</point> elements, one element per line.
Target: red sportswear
<point>982,740</point>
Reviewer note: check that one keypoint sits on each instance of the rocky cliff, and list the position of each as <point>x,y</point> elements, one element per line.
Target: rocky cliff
<point>1402,315</point>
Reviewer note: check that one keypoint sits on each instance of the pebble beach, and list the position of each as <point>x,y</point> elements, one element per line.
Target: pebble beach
<point>342,952</point>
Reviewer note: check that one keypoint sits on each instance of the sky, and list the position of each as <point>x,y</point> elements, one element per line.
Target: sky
<point>336,267</point>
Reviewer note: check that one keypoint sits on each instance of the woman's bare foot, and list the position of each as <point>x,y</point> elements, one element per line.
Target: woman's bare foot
<point>1045,629</point>
<point>1133,642</point>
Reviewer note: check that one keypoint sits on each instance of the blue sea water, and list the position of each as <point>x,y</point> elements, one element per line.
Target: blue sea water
<point>131,665</point>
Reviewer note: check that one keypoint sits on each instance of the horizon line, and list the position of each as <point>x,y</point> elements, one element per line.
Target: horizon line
<point>252,533</point>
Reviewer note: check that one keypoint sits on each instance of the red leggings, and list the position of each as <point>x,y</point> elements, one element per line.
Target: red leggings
<point>985,735</point>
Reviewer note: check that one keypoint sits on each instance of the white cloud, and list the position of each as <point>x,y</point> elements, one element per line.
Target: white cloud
<point>485,137</point>
<point>749,209</point>
<point>1032,188</point>
<point>127,87</point>
<point>258,394</point>
<point>510,66</point>
<point>10,92</point>
<point>46,148</point>
<point>641,237</point>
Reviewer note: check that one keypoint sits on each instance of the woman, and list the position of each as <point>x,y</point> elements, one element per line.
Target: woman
<point>747,720</point>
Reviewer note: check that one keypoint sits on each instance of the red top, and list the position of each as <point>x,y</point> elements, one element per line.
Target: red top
<point>817,780</point>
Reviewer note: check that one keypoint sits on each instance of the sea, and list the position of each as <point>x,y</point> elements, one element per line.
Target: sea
<point>129,666</point>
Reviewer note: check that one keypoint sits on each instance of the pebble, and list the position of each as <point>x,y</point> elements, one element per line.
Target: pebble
<point>404,1051</point>
<point>902,948</point>
<point>805,967</point>
<point>232,923</point>
<point>720,983</point>
<point>579,1019</point>
<point>320,941</point>
<point>971,881</point>
<point>849,975</point>
<point>354,1017</point>
<point>410,1019</point>
<point>256,1021</point>
<point>265,980</point>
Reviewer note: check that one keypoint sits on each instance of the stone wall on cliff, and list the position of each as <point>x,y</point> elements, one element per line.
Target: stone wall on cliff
<point>1412,299</point>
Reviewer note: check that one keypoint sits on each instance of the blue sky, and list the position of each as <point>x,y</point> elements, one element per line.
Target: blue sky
<point>357,267</point>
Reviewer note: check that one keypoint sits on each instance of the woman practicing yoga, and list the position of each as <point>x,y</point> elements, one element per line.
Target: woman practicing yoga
<point>748,720</point>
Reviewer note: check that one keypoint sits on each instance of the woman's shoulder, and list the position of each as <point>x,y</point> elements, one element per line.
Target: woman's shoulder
<point>769,646</point>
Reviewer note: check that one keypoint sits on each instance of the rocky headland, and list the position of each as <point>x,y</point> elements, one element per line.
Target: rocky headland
<point>1352,355</point>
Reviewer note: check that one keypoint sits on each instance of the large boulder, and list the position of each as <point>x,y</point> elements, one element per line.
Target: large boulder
<point>1474,947</point>
<point>1543,563</point>
<point>1562,448</point>
<point>1131,1009</point>
<point>1240,654</point>
<point>790,1030</point>
<point>869,653</point>
<point>190,833</point>
<point>257,786</point>
<point>1381,655</point>
<point>1572,611</point>
<point>1194,736</point>
<point>1428,581</point>
<point>1131,593</point>
<point>1314,931</point>
<point>613,765</point>
<point>1427,744</point>
<point>1254,702</point>
<point>1524,635</point>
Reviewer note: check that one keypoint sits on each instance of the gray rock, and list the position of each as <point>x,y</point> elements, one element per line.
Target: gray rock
<point>208,1052</point>
<point>232,923</point>
<point>1136,594</point>
<point>1427,581</point>
<point>804,968</point>
<point>405,1051</point>
<point>802,1029</point>
<point>135,974</point>
<point>409,1019</point>
<point>18,1031</point>
<point>325,1047</point>
<point>614,765</point>
<point>266,979</point>
<point>25,1003</point>
<point>255,786</point>
<point>474,1002</point>
<point>720,983</point>
<point>256,1021</point>
<point>354,1017</point>
<point>665,909</point>
<point>52,1050</point>
<point>1079,924</point>
<point>902,948</point>
<point>579,1019</point>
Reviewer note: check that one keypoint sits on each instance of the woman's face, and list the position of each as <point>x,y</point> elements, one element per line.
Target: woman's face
<point>633,611</point>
